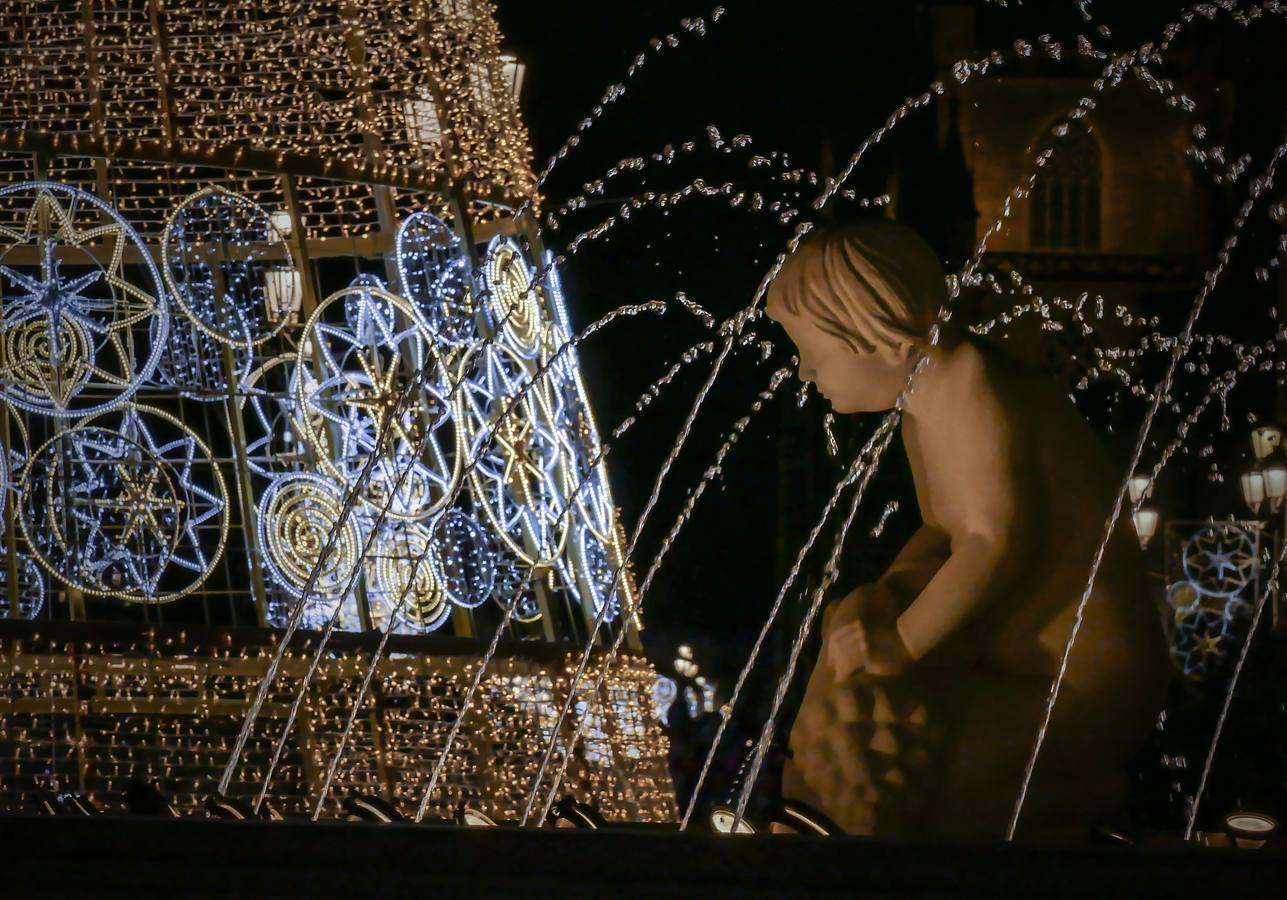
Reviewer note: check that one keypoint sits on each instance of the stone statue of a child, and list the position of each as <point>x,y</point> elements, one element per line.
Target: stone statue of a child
<point>922,709</point>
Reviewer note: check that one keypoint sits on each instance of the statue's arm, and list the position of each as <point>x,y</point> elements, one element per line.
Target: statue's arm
<point>916,564</point>
<point>882,600</point>
<point>980,496</point>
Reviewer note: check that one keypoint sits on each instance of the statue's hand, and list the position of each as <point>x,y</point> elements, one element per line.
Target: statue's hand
<point>874,649</point>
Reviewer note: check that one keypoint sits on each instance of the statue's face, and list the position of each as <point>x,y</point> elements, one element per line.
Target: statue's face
<point>854,382</point>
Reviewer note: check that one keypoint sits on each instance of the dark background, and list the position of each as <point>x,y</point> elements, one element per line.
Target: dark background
<point>807,82</point>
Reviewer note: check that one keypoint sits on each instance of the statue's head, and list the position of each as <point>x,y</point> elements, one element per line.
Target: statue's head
<point>859,302</point>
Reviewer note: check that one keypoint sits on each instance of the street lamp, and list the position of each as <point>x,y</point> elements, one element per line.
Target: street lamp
<point>1265,440</point>
<point>1145,522</point>
<point>1253,489</point>
<point>283,294</point>
<point>1273,469</point>
<point>513,69</point>
<point>1141,486</point>
<point>1267,479</point>
<point>282,222</point>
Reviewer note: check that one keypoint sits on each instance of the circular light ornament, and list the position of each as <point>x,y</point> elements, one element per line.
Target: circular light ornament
<point>192,364</point>
<point>380,392</point>
<point>434,273</point>
<point>1220,559</point>
<point>512,300</point>
<point>1183,595</point>
<point>468,562</point>
<point>201,527</point>
<point>30,592</point>
<point>514,586</point>
<point>599,572</point>
<point>514,455</point>
<point>407,582</point>
<point>297,515</point>
<point>77,337</point>
<point>101,513</point>
<point>219,251</point>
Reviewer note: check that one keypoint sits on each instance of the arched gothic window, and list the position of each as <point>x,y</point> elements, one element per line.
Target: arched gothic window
<point>1065,207</point>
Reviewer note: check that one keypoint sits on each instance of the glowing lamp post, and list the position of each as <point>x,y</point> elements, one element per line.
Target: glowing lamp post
<point>1145,522</point>
<point>1267,479</point>
<point>1274,473</point>
<point>514,70</point>
<point>1253,489</point>
<point>282,222</point>
<point>1144,519</point>
<point>283,294</point>
<point>1265,440</point>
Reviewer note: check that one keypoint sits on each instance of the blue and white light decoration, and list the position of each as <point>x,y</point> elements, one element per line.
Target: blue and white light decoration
<point>448,406</point>
<point>1211,595</point>
<point>80,334</point>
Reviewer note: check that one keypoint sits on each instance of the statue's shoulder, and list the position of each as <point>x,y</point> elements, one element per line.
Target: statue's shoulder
<point>965,379</point>
<point>962,365</point>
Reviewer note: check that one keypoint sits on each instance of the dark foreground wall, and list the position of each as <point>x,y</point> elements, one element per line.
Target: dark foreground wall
<point>137,858</point>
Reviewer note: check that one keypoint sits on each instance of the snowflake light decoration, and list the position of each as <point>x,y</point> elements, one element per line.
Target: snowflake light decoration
<point>1221,559</point>
<point>1211,601</point>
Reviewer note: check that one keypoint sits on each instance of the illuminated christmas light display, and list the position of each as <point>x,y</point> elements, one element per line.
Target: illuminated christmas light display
<point>509,407</point>
<point>1213,585</point>
<point>274,353</point>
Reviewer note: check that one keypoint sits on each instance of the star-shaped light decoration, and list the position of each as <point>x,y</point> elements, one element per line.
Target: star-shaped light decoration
<point>63,333</point>
<point>99,512</point>
<point>378,388</point>
<point>513,479</point>
<point>144,500</point>
<point>190,462</point>
<point>384,400</point>
<point>1221,559</point>
<point>516,435</point>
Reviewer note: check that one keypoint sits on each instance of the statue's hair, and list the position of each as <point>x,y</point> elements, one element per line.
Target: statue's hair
<point>872,285</point>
